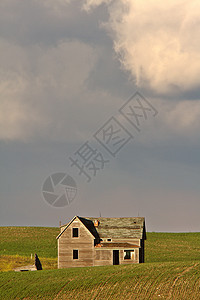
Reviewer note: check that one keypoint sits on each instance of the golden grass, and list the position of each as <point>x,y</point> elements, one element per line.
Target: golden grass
<point>10,262</point>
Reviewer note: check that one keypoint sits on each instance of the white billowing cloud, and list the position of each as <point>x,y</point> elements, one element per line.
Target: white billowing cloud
<point>44,86</point>
<point>158,42</point>
<point>44,93</point>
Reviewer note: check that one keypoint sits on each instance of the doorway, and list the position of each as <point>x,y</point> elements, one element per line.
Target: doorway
<point>115,257</point>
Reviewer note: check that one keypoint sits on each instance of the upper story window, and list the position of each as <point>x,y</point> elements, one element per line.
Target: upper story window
<point>75,232</point>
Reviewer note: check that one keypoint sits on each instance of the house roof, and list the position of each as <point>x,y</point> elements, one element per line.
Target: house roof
<point>120,228</point>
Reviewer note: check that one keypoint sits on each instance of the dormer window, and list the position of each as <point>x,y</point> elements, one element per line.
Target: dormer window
<point>75,232</point>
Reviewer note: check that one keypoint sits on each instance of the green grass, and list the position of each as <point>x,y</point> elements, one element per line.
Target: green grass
<point>165,247</point>
<point>18,243</point>
<point>171,271</point>
<point>159,247</point>
<point>172,280</point>
<point>26,240</point>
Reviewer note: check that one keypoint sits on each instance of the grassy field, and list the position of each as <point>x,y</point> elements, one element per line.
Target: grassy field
<point>171,280</point>
<point>171,271</point>
<point>26,240</point>
<point>166,247</point>
<point>18,243</point>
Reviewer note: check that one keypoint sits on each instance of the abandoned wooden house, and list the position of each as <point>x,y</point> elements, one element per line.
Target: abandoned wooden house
<point>101,241</point>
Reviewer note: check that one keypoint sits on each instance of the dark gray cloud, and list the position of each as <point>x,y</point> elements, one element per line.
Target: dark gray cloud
<point>46,23</point>
<point>60,81</point>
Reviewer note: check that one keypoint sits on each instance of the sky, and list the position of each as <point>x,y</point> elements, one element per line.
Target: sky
<point>70,68</point>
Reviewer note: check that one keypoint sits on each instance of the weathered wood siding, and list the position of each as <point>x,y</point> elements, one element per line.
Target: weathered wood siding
<point>103,257</point>
<point>84,244</point>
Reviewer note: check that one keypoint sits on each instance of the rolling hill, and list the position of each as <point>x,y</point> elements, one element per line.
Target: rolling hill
<point>171,269</point>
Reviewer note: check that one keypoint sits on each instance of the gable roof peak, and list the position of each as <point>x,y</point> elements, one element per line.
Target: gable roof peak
<point>120,227</point>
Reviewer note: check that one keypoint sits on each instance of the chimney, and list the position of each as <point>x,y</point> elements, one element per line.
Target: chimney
<point>96,223</point>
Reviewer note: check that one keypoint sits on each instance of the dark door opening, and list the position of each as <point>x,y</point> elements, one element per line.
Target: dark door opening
<point>115,257</point>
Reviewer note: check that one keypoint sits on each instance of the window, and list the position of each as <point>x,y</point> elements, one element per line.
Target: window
<point>75,254</point>
<point>109,240</point>
<point>128,254</point>
<point>75,232</point>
